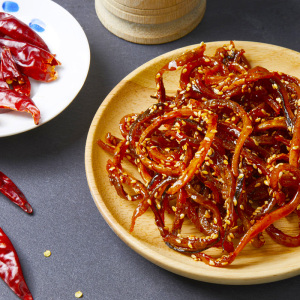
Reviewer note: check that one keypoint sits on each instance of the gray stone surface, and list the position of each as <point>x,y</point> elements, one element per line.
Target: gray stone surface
<point>47,163</point>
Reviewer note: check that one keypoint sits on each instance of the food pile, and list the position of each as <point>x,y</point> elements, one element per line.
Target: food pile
<point>222,154</point>
<point>23,54</point>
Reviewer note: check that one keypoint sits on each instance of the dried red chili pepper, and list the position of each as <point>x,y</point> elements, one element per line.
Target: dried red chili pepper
<point>12,75</point>
<point>34,62</point>
<point>13,100</point>
<point>10,269</point>
<point>13,193</point>
<point>16,29</point>
<point>23,88</point>
<point>3,83</point>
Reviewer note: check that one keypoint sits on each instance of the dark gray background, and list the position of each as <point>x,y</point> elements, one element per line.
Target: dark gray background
<point>47,163</point>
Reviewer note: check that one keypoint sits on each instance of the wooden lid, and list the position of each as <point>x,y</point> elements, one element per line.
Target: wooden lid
<point>149,4</point>
<point>150,26</point>
<point>150,16</point>
<point>153,12</point>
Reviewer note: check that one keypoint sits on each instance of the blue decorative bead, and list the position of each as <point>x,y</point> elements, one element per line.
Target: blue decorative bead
<point>37,25</point>
<point>10,6</point>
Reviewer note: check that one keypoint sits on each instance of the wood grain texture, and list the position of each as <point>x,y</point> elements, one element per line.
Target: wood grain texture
<point>152,16</point>
<point>270,263</point>
<point>183,5</point>
<point>150,4</point>
<point>150,26</point>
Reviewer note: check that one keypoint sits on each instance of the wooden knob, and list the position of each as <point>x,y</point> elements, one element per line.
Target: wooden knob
<point>149,21</point>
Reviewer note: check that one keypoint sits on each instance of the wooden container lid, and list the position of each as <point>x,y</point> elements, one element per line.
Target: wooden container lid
<point>181,5</point>
<point>161,22</point>
<point>150,4</point>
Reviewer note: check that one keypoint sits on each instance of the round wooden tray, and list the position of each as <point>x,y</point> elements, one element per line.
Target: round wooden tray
<point>270,263</point>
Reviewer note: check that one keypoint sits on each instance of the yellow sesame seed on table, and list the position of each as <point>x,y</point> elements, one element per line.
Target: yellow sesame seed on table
<point>47,253</point>
<point>78,294</point>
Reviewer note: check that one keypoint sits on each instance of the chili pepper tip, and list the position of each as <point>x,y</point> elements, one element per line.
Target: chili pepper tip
<point>28,208</point>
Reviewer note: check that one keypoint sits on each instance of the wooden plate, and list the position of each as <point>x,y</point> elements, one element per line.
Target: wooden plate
<point>270,263</point>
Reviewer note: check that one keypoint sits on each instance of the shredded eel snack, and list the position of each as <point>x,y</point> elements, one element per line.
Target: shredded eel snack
<point>222,154</point>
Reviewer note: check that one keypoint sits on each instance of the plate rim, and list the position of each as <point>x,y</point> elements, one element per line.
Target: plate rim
<point>124,234</point>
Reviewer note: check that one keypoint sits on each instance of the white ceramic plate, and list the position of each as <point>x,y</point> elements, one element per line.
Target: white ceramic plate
<point>65,38</point>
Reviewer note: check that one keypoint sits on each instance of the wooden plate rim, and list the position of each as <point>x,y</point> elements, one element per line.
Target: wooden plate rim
<point>239,278</point>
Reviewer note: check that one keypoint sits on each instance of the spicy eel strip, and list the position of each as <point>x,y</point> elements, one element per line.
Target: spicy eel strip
<point>221,154</point>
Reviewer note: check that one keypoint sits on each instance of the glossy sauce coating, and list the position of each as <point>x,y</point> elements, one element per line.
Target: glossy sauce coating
<point>222,153</point>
